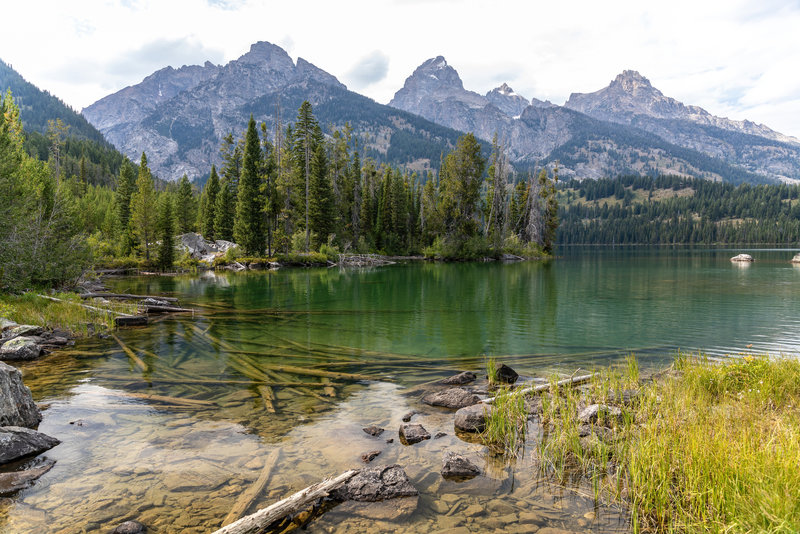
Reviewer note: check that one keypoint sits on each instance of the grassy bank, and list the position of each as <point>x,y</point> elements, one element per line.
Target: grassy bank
<point>702,447</point>
<point>28,308</point>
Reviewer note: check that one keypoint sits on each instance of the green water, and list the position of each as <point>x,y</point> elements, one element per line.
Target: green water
<point>176,443</point>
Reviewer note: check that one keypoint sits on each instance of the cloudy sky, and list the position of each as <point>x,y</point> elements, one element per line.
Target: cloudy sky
<point>736,58</point>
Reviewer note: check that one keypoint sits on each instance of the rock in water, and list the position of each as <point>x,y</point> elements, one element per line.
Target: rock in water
<point>13,482</point>
<point>505,374</point>
<point>458,466</point>
<point>376,484</point>
<point>413,433</point>
<point>367,457</point>
<point>742,257</point>
<point>130,527</point>
<point>460,379</point>
<point>373,430</point>
<point>472,418</point>
<point>796,258</point>
<point>20,349</point>
<point>17,443</point>
<point>451,398</point>
<point>16,403</point>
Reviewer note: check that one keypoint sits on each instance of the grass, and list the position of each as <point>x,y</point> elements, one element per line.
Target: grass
<point>507,423</point>
<point>28,308</point>
<point>707,447</point>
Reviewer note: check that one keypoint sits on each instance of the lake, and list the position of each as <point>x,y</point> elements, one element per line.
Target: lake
<point>299,360</point>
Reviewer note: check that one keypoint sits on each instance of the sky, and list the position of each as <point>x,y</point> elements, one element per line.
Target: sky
<point>736,58</point>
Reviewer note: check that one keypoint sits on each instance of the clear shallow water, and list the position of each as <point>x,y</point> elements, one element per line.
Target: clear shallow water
<point>175,444</point>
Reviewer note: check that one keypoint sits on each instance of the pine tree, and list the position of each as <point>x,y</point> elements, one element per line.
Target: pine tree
<point>209,205</point>
<point>185,206</point>
<point>143,216</point>
<point>248,229</point>
<point>460,187</point>
<point>321,205</point>
<point>166,229</point>
<point>306,137</point>
<point>125,189</point>
<point>224,211</point>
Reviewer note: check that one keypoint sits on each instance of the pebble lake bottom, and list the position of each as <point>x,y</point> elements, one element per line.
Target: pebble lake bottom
<point>300,360</point>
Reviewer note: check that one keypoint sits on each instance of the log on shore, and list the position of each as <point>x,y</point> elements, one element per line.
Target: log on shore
<point>126,296</point>
<point>260,520</point>
<point>573,381</point>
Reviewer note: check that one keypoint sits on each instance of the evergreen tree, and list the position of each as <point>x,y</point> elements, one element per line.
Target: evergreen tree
<point>460,190</point>
<point>166,230</point>
<point>306,137</point>
<point>185,206</point>
<point>125,189</point>
<point>209,205</point>
<point>321,204</point>
<point>248,226</point>
<point>224,211</point>
<point>143,216</point>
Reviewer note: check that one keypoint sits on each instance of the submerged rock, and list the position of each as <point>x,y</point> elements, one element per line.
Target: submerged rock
<point>451,398</point>
<point>373,430</point>
<point>18,480</point>
<point>458,466</point>
<point>505,374</point>
<point>413,433</point>
<point>472,418</point>
<point>376,484</point>
<point>460,379</point>
<point>407,417</point>
<point>130,527</point>
<point>17,443</point>
<point>367,457</point>
<point>600,412</point>
<point>20,349</point>
<point>742,257</point>
<point>16,403</point>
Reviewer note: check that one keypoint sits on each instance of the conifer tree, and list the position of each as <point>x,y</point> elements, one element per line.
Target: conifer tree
<point>125,189</point>
<point>321,206</point>
<point>306,136</point>
<point>460,190</point>
<point>248,229</point>
<point>209,205</point>
<point>224,211</point>
<point>143,216</point>
<point>185,206</point>
<point>166,229</point>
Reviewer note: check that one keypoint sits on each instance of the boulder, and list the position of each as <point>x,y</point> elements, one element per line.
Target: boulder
<point>595,413</point>
<point>130,527</point>
<point>24,330</point>
<point>505,374</point>
<point>796,258</point>
<point>742,257</point>
<point>19,349</point>
<point>451,398</point>
<point>16,403</point>
<point>5,324</point>
<point>460,379</point>
<point>413,433</point>
<point>201,249</point>
<point>458,466</point>
<point>18,480</point>
<point>376,484</point>
<point>373,430</point>
<point>472,418</point>
<point>17,442</point>
<point>367,457</point>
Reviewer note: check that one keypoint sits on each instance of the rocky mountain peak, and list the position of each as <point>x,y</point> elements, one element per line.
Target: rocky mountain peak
<point>269,54</point>
<point>436,71</point>
<point>630,81</point>
<point>507,101</point>
<point>309,71</point>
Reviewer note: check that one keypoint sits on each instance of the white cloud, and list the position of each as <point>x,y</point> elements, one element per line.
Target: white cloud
<point>731,57</point>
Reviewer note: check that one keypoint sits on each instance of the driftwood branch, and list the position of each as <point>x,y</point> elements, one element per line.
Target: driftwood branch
<point>258,521</point>
<point>572,381</point>
<point>126,296</point>
<point>247,498</point>
<point>93,308</point>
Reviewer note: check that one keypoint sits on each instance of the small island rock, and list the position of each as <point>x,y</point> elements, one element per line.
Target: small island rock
<point>376,484</point>
<point>472,418</point>
<point>742,257</point>
<point>460,379</point>
<point>451,398</point>
<point>413,433</point>
<point>505,374</point>
<point>373,430</point>
<point>458,466</point>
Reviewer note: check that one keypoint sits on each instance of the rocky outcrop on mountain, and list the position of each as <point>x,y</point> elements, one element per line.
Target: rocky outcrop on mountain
<point>507,101</point>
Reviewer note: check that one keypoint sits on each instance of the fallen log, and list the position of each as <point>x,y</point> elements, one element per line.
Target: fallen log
<point>93,308</point>
<point>268,396</point>
<point>246,499</point>
<point>572,381</point>
<point>132,355</point>
<point>162,398</point>
<point>125,296</point>
<point>130,320</point>
<point>261,519</point>
<point>153,308</point>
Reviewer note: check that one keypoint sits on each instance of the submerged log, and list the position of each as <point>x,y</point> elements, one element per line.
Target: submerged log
<point>125,296</point>
<point>268,396</point>
<point>573,381</point>
<point>130,320</point>
<point>260,520</point>
<point>152,308</point>
<point>132,355</point>
<point>246,499</point>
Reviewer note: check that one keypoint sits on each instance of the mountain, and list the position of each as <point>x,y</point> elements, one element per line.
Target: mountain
<point>629,127</point>
<point>179,116</point>
<point>84,143</point>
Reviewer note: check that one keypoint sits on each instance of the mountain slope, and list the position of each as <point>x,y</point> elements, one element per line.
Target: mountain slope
<point>182,129</point>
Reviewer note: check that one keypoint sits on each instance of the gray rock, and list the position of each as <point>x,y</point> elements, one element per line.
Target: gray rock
<point>6,324</point>
<point>413,433</point>
<point>460,379</point>
<point>742,257</point>
<point>458,466</point>
<point>20,349</point>
<point>367,457</point>
<point>595,413</point>
<point>17,480</point>
<point>376,484</point>
<point>130,527</point>
<point>439,435</point>
<point>16,403</point>
<point>17,443</point>
<point>472,418</point>
<point>25,330</point>
<point>451,398</point>
<point>796,258</point>
<point>505,374</point>
<point>373,430</point>
<point>407,417</point>
<point>154,302</point>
